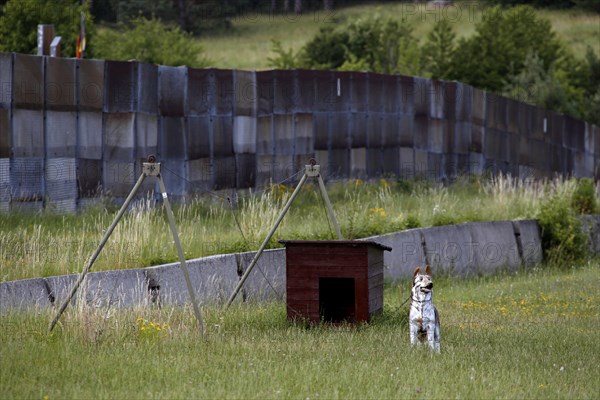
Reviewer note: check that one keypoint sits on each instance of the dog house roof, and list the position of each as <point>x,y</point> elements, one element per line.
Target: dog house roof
<point>349,243</point>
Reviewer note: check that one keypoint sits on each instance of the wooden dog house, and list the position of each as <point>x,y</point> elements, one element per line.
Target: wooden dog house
<point>334,280</point>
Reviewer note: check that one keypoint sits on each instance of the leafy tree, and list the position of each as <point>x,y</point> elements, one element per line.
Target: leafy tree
<point>377,44</point>
<point>548,89</point>
<point>20,18</point>
<point>438,51</point>
<point>153,42</point>
<point>327,50</point>
<point>501,42</point>
<point>285,59</point>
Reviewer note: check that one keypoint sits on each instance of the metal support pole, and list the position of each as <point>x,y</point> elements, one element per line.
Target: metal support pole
<point>329,207</point>
<point>266,241</point>
<point>182,262</point>
<point>151,168</point>
<point>94,256</point>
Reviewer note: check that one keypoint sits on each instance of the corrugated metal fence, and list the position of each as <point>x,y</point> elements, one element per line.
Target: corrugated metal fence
<point>71,128</point>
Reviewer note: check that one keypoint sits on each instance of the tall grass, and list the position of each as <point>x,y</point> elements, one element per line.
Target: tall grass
<point>50,244</point>
<point>530,334</point>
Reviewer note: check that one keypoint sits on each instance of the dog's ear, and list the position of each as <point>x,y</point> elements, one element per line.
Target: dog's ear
<point>417,272</point>
<point>428,270</point>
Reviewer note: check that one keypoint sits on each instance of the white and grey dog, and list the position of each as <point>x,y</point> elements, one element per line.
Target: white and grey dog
<point>423,318</point>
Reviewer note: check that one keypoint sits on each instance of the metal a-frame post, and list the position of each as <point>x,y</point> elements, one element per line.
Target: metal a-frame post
<point>314,171</point>
<point>150,168</point>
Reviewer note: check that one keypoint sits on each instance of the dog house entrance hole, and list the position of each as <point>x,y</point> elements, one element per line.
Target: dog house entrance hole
<point>336,299</point>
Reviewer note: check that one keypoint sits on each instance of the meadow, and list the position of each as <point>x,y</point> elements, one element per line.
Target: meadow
<point>247,43</point>
<point>526,334</point>
<point>46,244</point>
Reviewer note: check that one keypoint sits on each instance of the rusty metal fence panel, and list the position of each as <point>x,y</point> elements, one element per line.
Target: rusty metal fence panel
<point>216,129</point>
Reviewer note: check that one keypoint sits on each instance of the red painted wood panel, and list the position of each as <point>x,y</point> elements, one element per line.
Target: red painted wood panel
<point>307,262</point>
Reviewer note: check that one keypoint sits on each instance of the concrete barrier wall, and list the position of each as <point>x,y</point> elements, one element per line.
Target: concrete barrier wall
<point>457,250</point>
<point>71,129</point>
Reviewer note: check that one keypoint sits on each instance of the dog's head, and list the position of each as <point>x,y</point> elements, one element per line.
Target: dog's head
<point>422,282</point>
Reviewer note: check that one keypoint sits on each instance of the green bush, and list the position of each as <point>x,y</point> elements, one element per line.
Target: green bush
<point>500,45</point>
<point>378,44</point>
<point>437,53</point>
<point>562,237</point>
<point>151,41</point>
<point>584,197</point>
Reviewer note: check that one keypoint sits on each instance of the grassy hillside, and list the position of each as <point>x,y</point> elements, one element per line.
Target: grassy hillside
<point>247,45</point>
<point>528,335</point>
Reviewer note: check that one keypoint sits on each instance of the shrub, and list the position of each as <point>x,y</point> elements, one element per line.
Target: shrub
<point>562,237</point>
<point>584,199</point>
<point>500,45</point>
<point>376,44</point>
<point>151,41</point>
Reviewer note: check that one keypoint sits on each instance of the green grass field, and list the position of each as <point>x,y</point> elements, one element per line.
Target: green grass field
<point>531,334</point>
<point>33,245</point>
<point>247,44</point>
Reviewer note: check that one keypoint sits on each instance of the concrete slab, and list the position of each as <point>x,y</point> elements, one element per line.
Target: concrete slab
<point>119,136</point>
<point>222,136</point>
<point>146,127</point>
<point>61,179</point>
<point>5,189</point>
<point>118,177</point>
<point>148,88</point>
<point>451,249</point>
<point>59,85</point>
<point>27,179</point>
<point>407,253</point>
<point>6,79</point>
<point>28,133</point>
<point>172,143</point>
<point>407,94</point>
<point>61,133</point>
<point>59,288</point>
<point>199,91</point>
<point>5,133</point>
<point>245,170</point>
<point>283,129</point>
<point>119,289</point>
<point>89,133</point>
<point>358,163</point>
<point>591,227</point>
<point>199,175</point>
<point>171,97</point>
<point>244,134</point>
<point>224,173</point>
<point>284,91</point>
<point>89,177</point>
<point>495,245</point>
<point>245,93</point>
<point>303,134</point>
<point>91,84</point>
<point>222,81</point>
<point>23,294</point>
<point>527,233</point>
<point>121,90</point>
<point>357,129</point>
<point>283,167</point>
<point>407,162</point>
<point>422,97</point>
<point>358,92</point>
<point>28,82</point>
<point>213,278</point>
<point>267,279</point>
<point>198,137</point>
